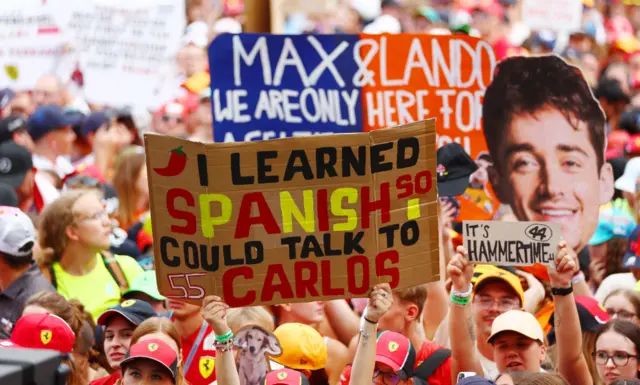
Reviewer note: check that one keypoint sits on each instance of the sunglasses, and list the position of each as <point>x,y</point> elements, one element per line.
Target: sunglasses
<point>167,118</point>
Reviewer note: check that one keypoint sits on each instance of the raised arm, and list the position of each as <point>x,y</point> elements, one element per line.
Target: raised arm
<point>342,319</point>
<point>464,355</point>
<point>572,364</point>
<point>214,311</point>
<point>380,301</point>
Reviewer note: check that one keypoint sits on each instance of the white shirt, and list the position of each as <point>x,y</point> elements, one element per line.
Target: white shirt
<point>615,282</point>
<point>62,167</point>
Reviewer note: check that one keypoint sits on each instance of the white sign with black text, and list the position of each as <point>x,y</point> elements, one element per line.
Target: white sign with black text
<point>511,243</point>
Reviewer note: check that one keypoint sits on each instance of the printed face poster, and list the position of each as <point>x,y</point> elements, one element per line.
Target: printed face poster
<point>545,132</point>
<point>296,219</point>
<point>274,86</point>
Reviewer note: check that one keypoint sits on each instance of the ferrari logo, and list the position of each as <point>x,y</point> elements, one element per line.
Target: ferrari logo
<point>393,346</point>
<point>45,336</point>
<point>281,376</point>
<point>128,303</point>
<point>206,366</point>
<point>152,347</point>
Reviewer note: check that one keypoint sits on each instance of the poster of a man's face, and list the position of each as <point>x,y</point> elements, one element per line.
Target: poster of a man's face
<point>546,134</point>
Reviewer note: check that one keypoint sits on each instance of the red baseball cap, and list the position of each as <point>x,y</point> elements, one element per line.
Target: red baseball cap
<point>395,350</point>
<point>43,331</point>
<point>155,350</point>
<point>285,376</point>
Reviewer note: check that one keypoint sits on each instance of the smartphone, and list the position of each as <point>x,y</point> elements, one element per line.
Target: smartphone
<point>462,375</point>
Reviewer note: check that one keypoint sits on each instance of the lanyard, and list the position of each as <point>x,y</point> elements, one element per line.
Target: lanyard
<point>194,348</point>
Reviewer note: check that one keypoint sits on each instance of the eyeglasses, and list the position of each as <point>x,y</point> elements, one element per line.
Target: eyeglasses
<point>486,303</point>
<point>621,314</point>
<point>387,378</point>
<point>618,358</point>
<point>82,181</point>
<point>167,118</point>
<point>93,217</point>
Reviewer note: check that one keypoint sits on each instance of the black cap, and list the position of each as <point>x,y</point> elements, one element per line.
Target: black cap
<point>134,310</point>
<point>611,91</point>
<point>8,196</point>
<point>630,121</point>
<point>9,125</point>
<point>453,169</point>
<point>15,162</point>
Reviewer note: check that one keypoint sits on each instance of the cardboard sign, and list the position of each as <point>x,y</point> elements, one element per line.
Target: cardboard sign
<point>561,16</point>
<point>294,220</point>
<point>511,243</point>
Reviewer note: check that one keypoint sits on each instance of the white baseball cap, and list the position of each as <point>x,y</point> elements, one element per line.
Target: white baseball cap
<point>627,182</point>
<point>518,321</point>
<point>17,234</point>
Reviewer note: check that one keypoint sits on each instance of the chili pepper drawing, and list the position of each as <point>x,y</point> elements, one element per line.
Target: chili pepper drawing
<point>176,165</point>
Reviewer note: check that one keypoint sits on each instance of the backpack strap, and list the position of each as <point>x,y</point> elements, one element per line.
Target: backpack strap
<point>112,265</point>
<point>433,362</point>
<point>50,275</point>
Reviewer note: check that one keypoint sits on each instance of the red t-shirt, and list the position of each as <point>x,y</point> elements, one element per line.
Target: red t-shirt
<point>202,369</point>
<point>109,380</point>
<point>441,376</point>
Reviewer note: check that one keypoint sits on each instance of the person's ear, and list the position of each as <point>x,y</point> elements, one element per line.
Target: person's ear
<point>606,183</point>
<point>412,312</point>
<point>71,233</point>
<point>543,352</point>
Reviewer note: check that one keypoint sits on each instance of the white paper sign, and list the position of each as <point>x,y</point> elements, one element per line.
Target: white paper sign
<point>126,48</point>
<point>556,15</point>
<point>31,43</point>
<point>511,243</point>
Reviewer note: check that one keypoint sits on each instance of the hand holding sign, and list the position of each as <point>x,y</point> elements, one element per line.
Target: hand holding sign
<point>566,265</point>
<point>460,270</point>
<point>380,301</point>
<point>214,311</point>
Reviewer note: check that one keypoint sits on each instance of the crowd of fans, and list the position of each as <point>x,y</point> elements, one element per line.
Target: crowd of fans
<point>76,255</point>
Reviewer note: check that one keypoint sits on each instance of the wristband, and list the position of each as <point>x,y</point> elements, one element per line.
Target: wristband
<point>225,337</point>
<point>465,294</point>
<point>462,301</point>
<point>368,320</point>
<point>578,278</point>
<point>562,291</point>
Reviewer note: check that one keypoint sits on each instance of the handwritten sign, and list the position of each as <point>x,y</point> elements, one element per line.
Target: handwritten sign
<point>296,219</point>
<point>555,15</point>
<point>31,44</point>
<point>132,42</point>
<point>276,86</point>
<point>511,243</point>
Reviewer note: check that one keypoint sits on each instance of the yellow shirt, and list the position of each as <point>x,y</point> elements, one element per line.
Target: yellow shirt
<point>97,291</point>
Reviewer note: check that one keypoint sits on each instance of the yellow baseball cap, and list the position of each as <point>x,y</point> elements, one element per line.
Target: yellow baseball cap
<point>482,273</point>
<point>518,321</point>
<point>302,347</point>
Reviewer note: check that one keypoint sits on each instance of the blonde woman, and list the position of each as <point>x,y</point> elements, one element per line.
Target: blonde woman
<point>73,239</point>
